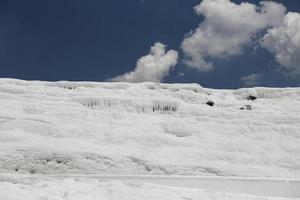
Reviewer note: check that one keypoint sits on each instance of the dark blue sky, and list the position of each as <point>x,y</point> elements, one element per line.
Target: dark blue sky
<point>92,40</point>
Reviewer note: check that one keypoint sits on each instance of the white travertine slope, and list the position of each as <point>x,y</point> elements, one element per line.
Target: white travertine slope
<point>148,128</point>
<point>82,189</point>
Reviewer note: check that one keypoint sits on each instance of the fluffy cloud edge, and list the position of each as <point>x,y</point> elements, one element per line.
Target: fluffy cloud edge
<point>153,67</point>
<point>253,79</point>
<point>226,28</point>
<point>284,43</point>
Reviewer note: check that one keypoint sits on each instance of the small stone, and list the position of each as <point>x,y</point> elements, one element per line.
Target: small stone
<point>251,97</point>
<point>210,103</point>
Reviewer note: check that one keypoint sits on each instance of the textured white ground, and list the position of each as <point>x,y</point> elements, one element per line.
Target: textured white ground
<point>81,188</point>
<point>147,128</point>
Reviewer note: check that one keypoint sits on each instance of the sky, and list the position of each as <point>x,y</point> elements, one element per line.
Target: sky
<point>216,43</point>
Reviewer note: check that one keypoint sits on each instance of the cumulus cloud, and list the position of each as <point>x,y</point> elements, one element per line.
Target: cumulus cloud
<point>153,67</point>
<point>284,42</point>
<point>252,79</point>
<point>227,27</point>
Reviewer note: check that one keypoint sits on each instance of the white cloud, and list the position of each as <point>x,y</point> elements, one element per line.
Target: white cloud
<point>153,67</point>
<point>284,42</point>
<point>252,79</point>
<point>226,28</point>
